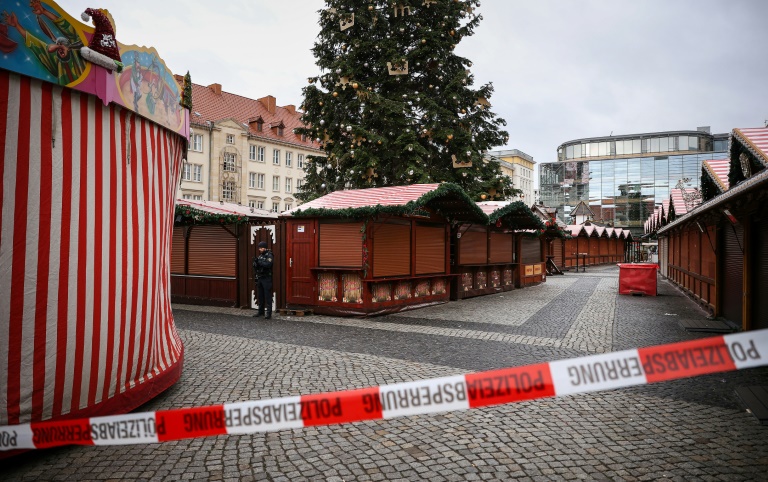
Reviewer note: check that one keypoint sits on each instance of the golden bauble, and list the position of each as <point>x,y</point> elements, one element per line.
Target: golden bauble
<point>335,94</point>
<point>355,85</point>
<point>450,136</point>
<point>483,196</point>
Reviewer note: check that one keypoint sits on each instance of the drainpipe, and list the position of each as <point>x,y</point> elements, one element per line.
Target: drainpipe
<point>210,156</point>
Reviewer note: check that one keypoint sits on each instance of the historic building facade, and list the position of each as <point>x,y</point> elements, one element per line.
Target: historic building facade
<point>244,151</point>
<point>520,167</point>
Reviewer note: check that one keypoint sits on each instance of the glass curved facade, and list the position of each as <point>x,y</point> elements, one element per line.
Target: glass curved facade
<point>621,192</point>
<point>648,144</point>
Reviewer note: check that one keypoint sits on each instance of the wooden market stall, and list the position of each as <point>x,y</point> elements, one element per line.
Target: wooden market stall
<point>87,218</point>
<point>590,245</point>
<point>213,246</point>
<point>485,256</point>
<point>718,252</point>
<point>373,251</point>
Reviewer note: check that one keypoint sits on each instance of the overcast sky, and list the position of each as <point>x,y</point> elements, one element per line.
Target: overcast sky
<point>562,69</point>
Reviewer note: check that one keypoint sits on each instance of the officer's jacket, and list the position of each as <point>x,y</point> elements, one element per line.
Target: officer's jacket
<point>262,265</point>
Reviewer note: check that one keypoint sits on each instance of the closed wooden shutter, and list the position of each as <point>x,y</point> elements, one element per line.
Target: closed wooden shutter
<point>430,249</point>
<point>684,254</point>
<point>594,250</point>
<point>530,250</point>
<point>501,248</point>
<point>177,251</point>
<point>663,255</point>
<point>733,273</point>
<point>760,275</point>
<point>557,252</point>
<point>212,251</point>
<point>473,247</point>
<point>694,256</point>
<point>341,245</point>
<point>708,256</point>
<point>391,249</point>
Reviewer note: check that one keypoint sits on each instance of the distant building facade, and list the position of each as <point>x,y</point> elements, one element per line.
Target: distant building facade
<point>520,167</point>
<point>623,178</point>
<point>244,151</point>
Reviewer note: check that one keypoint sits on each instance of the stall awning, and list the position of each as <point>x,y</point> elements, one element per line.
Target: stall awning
<point>198,212</point>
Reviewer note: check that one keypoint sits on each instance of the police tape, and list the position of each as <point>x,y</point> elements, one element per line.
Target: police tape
<point>553,379</point>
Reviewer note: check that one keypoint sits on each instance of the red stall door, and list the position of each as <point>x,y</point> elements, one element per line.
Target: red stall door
<point>300,257</point>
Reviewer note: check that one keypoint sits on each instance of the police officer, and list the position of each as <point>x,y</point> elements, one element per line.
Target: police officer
<point>262,273</point>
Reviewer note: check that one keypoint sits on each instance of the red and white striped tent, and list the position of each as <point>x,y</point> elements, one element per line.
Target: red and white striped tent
<point>88,190</point>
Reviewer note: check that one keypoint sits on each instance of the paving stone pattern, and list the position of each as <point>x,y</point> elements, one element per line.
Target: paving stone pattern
<point>690,429</point>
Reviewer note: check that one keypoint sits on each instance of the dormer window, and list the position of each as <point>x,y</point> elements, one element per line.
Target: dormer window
<point>258,121</point>
<point>279,127</point>
<point>230,138</point>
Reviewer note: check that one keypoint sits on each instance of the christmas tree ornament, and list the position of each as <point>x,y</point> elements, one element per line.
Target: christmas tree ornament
<point>398,68</point>
<point>346,21</point>
<point>482,103</point>
<point>335,94</point>
<point>102,49</point>
<point>343,82</point>
<point>401,10</point>
<point>355,85</point>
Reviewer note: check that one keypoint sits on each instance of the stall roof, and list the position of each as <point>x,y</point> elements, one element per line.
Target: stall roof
<point>513,214</point>
<point>226,209</point>
<point>718,171</point>
<point>447,199</point>
<point>756,139</point>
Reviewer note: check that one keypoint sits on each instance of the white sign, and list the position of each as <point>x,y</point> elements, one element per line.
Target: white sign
<point>299,229</point>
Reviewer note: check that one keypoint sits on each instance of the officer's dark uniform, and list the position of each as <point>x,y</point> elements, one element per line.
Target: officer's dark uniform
<point>262,272</point>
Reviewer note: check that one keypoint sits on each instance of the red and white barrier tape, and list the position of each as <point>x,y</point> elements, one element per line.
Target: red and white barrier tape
<point>564,377</point>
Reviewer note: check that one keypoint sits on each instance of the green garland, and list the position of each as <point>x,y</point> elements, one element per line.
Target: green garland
<point>186,95</point>
<point>190,215</point>
<point>518,209</point>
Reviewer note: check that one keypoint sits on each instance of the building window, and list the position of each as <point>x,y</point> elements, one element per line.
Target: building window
<point>280,131</point>
<point>252,180</point>
<point>288,184</point>
<point>228,191</point>
<point>276,183</point>
<point>229,161</point>
<point>186,196</point>
<point>260,154</point>
<point>288,159</point>
<point>186,173</point>
<point>260,181</point>
<point>275,206</point>
<point>288,207</point>
<point>197,197</point>
<point>191,172</point>
<point>252,152</point>
<point>197,172</point>
<point>276,157</point>
<point>259,125</point>
<point>197,142</point>
<point>259,204</point>
<point>300,161</point>
<point>230,138</point>
<point>299,182</point>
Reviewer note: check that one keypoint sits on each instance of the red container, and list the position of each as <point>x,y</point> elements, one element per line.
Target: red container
<point>637,278</point>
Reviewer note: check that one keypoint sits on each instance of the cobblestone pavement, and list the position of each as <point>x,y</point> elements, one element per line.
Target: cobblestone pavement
<point>683,430</point>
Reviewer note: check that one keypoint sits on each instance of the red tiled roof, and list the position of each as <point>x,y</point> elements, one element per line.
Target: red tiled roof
<point>718,170</point>
<point>488,207</point>
<point>357,198</point>
<point>225,208</point>
<point>757,138</point>
<point>214,107</point>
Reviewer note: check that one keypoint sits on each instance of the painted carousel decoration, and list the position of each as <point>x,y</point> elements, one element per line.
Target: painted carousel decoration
<point>86,218</point>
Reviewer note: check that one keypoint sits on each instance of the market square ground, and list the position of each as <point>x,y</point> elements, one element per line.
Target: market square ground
<point>685,429</point>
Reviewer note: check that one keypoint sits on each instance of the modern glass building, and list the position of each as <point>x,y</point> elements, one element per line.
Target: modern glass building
<point>623,178</point>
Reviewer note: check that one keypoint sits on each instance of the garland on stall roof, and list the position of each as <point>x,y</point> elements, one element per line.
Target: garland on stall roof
<point>553,230</point>
<point>190,215</point>
<point>516,209</point>
<point>473,211</point>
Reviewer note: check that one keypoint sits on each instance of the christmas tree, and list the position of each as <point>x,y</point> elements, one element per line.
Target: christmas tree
<point>394,105</point>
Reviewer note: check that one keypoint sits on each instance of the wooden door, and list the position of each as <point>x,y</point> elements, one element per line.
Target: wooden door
<point>300,257</point>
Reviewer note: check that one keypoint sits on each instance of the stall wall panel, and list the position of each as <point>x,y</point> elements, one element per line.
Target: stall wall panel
<point>733,273</point>
<point>473,247</point>
<point>212,251</point>
<point>391,249</point>
<point>501,248</point>
<point>663,255</point>
<point>86,237</point>
<point>530,250</point>
<point>430,249</point>
<point>759,315</point>
<point>341,244</point>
